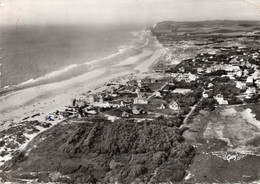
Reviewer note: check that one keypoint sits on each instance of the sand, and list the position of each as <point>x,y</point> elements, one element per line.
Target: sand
<point>48,98</point>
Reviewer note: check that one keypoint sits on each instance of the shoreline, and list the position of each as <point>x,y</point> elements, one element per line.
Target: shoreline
<point>45,98</point>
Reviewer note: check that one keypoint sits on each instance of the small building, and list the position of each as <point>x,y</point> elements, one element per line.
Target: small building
<point>181,69</point>
<point>90,99</point>
<point>161,107</point>
<point>257,82</point>
<point>239,73</point>
<point>137,110</point>
<point>205,94</point>
<point>140,100</point>
<point>174,105</point>
<point>192,77</point>
<point>125,114</point>
<point>249,80</point>
<point>158,94</point>
<point>137,90</point>
<point>210,85</point>
<point>251,90</point>
<point>220,99</point>
<point>256,74</point>
<point>200,70</point>
<point>139,83</point>
<point>240,85</point>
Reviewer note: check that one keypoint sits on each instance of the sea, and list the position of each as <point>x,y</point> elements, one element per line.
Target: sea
<point>36,54</point>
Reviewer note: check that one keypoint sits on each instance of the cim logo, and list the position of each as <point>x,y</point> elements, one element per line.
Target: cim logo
<point>233,155</point>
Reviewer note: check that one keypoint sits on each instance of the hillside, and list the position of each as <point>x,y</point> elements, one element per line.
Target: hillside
<point>103,151</point>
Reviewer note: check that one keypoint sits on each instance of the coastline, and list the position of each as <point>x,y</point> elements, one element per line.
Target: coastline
<point>48,98</point>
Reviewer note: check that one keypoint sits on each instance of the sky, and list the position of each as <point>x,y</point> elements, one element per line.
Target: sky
<point>18,12</point>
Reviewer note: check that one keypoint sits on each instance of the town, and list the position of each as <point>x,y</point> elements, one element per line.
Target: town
<point>229,77</point>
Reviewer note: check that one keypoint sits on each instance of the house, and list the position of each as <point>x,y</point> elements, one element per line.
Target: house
<point>127,100</point>
<point>200,70</point>
<point>205,94</point>
<point>137,110</point>
<point>257,82</point>
<point>90,99</point>
<point>162,106</point>
<point>246,72</point>
<point>140,100</point>
<point>137,90</point>
<point>105,105</point>
<point>251,91</point>
<point>220,99</point>
<point>125,114</point>
<point>63,115</point>
<point>174,105</point>
<point>210,85</point>
<point>139,83</point>
<point>181,69</point>
<point>90,110</point>
<point>249,80</point>
<point>256,74</point>
<point>239,73</point>
<point>192,77</point>
<point>240,85</point>
<point>209,70</point>
<point>158,94</point>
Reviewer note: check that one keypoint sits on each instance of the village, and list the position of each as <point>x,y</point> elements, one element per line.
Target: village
<point>229,76</point>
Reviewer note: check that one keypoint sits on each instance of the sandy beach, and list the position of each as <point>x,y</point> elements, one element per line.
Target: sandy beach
<point>48,98</point>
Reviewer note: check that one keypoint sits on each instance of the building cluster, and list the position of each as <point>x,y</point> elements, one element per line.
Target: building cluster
<point>229,76</point>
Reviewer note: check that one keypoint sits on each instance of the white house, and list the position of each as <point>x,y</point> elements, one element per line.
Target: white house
<point>200,70</point>
<point>210,85</point>
<point>249,80</point>
<point>224,102</point>
<point>158,94</point>
<point>140,100</point>
<point>137,90</point>
<point>205,94</point>
<point>245,73</point>
<point>257,82</point>
<point>240,85</point>
<point>256,74</point>
<point>220,99</point>
<point>174,105</point>
<point>239,73</point>
<point>251,91</point>
<point>192,77</point>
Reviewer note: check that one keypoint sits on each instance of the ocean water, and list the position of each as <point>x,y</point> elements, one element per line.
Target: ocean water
<point>52,53</point>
